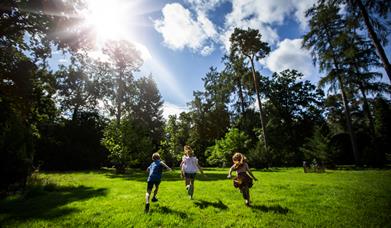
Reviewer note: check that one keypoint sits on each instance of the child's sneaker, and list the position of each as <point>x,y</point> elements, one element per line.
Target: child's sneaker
<point>188,189</point>
<point>154,199</point>
<point>146,210</point>
<point>247,202</point>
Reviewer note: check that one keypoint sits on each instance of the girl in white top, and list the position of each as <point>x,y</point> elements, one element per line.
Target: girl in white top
<point>189,168</point>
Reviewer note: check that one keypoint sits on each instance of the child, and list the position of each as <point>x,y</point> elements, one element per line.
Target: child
<point>189,167</point>
<point>242,181</point>
<point>155,174</point>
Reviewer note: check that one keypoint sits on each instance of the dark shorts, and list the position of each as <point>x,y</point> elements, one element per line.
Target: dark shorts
<point>243,180</point>
<point>152,183</point>
<point>190,175</point>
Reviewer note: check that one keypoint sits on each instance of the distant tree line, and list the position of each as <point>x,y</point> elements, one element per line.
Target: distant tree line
<point>91,113</point>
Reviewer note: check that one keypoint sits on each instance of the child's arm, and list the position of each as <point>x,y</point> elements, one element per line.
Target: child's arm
<point>230,172</point>
<point>199,168</point>
<point>182,172</point>
<point>165,166</point>
<point>251,174</point>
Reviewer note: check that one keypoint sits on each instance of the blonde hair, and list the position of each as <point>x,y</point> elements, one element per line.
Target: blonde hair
<point>239,159</point>
<point>188,151</point>
<point>155,156</point>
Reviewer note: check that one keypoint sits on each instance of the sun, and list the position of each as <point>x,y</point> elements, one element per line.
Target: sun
<point>114,20</point>
<point>107,18</point>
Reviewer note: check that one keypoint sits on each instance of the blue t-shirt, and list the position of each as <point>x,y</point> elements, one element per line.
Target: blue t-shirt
<point>155,171</point>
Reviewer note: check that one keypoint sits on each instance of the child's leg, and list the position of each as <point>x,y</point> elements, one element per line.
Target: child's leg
<point>245,192</point>
<point>156,190</point>
<point>147,196</point>
<point>191,187</point>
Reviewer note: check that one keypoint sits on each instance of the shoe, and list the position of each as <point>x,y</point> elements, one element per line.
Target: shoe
<point>146,210</point>
<point>154,199</point>
<point>247,203</point>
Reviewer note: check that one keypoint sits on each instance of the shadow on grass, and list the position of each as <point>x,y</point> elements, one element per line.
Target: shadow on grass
<point>137,175</point>
<point>46,203</point>
<point>167,210</point>
<point>275,209</point>
<point>204,204</point>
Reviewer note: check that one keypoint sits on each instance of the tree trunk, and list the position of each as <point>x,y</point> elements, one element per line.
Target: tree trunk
<point>259,104</point>
<point>344,100</point>
<point>367,110</point>
<point>119,98</point>
<point>349,120</point>
<point>375,39</point>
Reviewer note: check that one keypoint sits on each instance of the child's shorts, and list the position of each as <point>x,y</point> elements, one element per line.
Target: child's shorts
<point>190,175</point>
<point>243,180</point>
<point>152,183</point>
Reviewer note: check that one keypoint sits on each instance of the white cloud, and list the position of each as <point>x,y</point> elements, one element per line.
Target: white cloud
<point>301,7</point>
<point>180,30</point>
<point>205,5</point>
<point>172,109</point>
<point>290,55</point>
<point>207,50</point>
<point>262,15</point>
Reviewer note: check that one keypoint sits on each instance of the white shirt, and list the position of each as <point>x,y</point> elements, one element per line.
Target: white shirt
<point>190,164</point>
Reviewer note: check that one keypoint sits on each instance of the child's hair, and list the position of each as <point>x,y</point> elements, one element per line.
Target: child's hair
<point>239,159</point>
<point>155,156</point>
<point>188,151</point>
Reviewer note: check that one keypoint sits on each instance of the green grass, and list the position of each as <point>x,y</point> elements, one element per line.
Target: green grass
<point>281,198</point>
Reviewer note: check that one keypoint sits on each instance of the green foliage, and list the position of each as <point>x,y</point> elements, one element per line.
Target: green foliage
<point>248,43</point>
<point>120,91</point>
<point>71,144</point>
<point>317,147</point>
<point>221,153</point>
<point>128,144</point>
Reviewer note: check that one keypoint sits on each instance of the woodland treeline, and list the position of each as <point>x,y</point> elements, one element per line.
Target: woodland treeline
<point>92,113</point>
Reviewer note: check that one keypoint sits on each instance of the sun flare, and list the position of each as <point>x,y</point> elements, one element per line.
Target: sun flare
<point>107,18</point>
<point>113,20</point>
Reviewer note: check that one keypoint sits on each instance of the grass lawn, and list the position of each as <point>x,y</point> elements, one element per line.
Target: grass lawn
<point>281,198</point>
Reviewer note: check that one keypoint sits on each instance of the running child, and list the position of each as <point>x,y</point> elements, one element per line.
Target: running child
<point>189,167</point>
<point>155,175</point>
<point>244,177</point>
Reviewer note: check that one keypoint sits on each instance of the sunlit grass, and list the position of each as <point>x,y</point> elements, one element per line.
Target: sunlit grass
<point>281,198</point>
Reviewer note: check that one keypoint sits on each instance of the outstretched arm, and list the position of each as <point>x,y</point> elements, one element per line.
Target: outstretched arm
<point>165,166</point>
<point>199,168</point>
<point>230,172</point>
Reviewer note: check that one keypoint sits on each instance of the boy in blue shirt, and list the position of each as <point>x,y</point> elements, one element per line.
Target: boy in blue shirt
<point>155,175</point>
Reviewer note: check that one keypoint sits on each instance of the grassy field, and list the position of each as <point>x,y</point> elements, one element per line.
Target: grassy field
<point>281,198</point>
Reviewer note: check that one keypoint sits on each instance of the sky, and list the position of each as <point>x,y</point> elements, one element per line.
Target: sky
<point>181,39</point>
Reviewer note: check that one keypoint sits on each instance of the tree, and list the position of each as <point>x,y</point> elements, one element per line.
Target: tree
<point>29,31</point>
<point>125,59</point>
<point>383,8</point>
<point>326,28</point>
<point>221,153</point>
<point>248,43</point>
<point>317,147</point>
<point>147,108</point>
<point>79,85</point>
<point>128,144</point>
<point>237,71</point>
<point>294,107</point>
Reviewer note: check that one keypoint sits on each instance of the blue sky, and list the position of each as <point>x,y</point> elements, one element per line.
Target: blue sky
<point>181,39</point>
